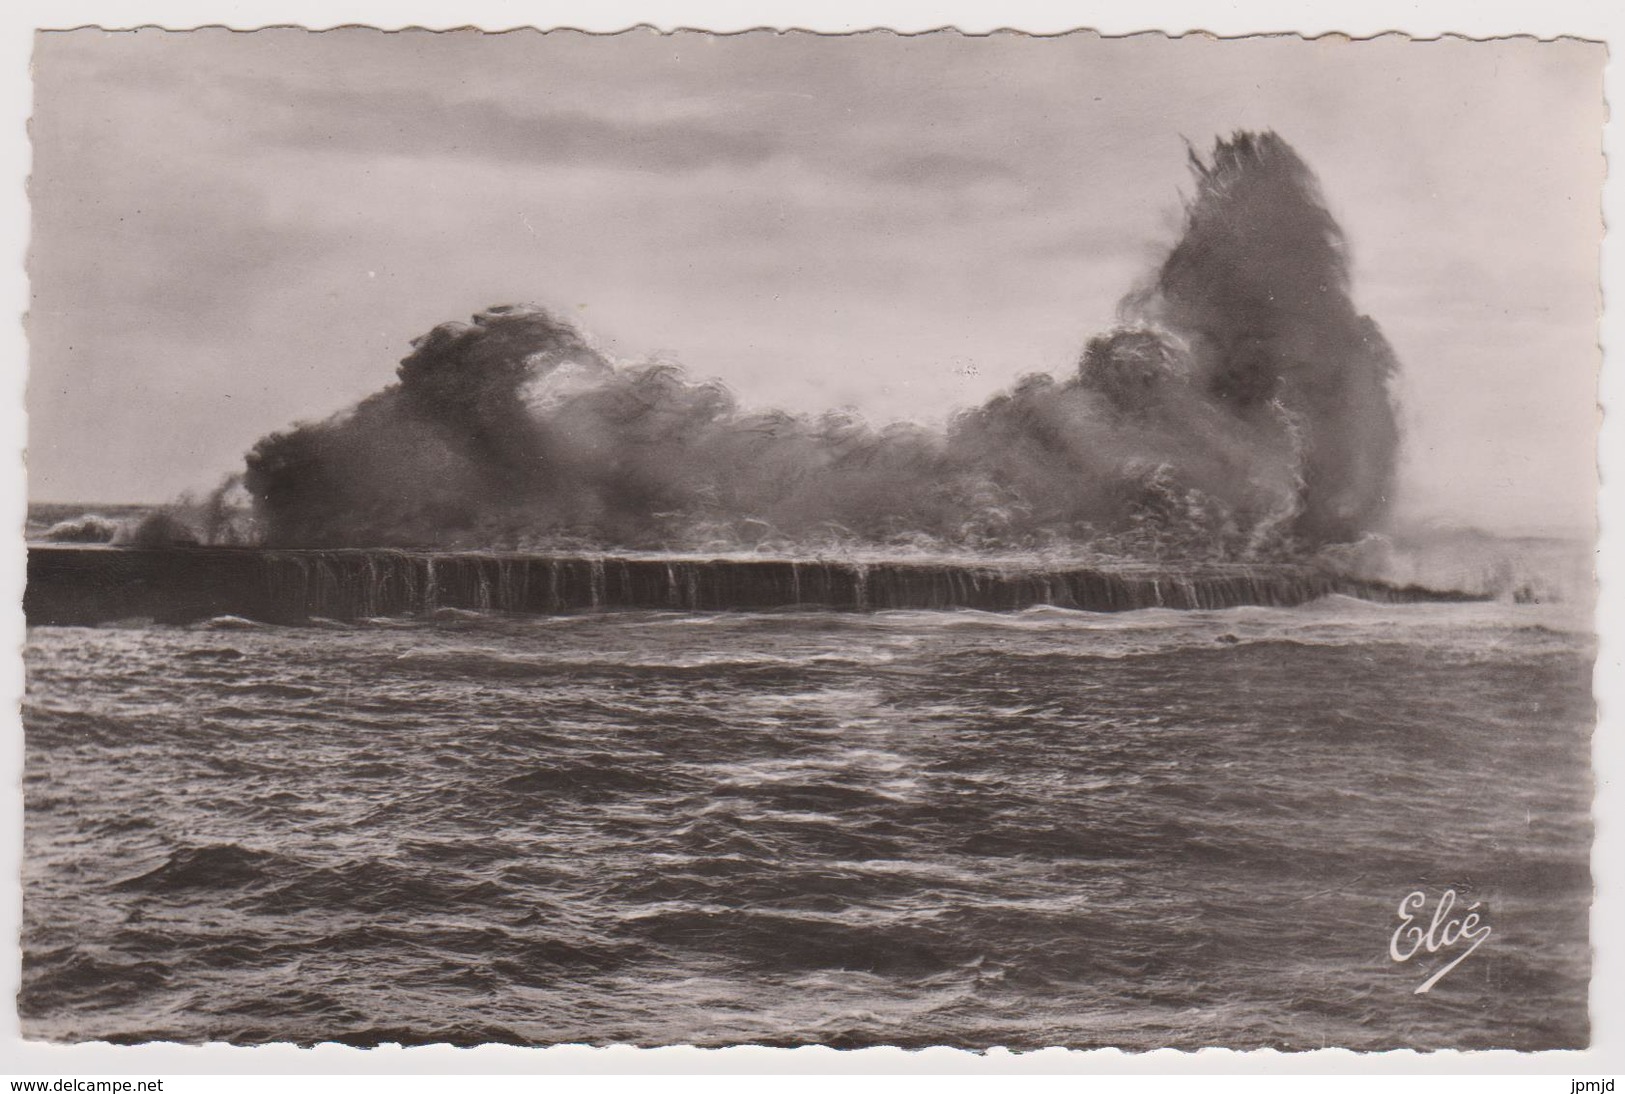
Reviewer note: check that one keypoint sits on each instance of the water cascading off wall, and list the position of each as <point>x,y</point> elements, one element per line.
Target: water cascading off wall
<point>88,585</point>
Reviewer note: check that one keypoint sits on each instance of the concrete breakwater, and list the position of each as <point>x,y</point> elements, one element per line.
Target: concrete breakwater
<point>89,585</point>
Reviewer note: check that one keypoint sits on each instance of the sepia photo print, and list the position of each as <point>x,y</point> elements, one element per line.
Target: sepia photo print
<point>669,538</point>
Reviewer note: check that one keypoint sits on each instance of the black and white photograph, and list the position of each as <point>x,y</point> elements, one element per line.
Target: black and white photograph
<point>788,539</point>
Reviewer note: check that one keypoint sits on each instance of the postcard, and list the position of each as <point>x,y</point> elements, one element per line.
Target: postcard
<point>780,539</point>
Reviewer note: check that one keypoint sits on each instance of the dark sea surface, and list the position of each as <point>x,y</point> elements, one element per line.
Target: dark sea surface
<point>1148,829</point>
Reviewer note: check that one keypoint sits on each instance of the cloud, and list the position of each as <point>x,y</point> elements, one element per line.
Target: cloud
<point>1124,239</point>
<point>816,220</point>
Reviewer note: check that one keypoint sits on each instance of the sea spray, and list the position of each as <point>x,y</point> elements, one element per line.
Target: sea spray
<point>1242,410</point>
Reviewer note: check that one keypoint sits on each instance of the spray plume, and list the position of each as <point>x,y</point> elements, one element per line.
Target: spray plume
<point>1241,409</point>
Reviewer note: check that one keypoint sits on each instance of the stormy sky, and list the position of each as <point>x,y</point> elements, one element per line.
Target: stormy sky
<point>236,231</point>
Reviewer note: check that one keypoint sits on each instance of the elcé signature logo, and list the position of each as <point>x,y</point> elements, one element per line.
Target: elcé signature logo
<point>1444,932</point>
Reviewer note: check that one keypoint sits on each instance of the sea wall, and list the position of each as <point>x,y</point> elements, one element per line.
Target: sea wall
<point>88,585</point>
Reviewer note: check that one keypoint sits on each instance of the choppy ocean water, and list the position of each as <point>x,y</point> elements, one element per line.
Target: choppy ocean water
<point>1045,828</point>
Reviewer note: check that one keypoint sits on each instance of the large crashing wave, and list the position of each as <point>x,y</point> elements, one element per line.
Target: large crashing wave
<point>1241,410</point>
